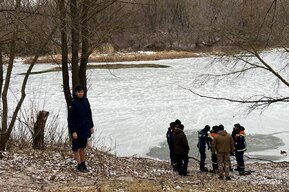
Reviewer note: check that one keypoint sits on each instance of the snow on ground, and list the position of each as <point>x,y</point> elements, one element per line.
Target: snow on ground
<point>132,108</point>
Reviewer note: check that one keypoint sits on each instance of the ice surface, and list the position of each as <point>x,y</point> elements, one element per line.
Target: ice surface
<point>132,108</point>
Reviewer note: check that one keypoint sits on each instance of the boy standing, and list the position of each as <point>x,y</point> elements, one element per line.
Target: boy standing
<point>80,125</point>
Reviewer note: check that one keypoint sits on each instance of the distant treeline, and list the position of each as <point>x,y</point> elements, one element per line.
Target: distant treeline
<point>132,25</point>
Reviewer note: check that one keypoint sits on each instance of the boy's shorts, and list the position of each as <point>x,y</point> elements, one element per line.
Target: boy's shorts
<point>78,143</point>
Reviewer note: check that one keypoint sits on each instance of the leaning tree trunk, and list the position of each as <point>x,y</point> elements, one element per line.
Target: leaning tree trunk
<point>64,52</point>
<point>38,132</point>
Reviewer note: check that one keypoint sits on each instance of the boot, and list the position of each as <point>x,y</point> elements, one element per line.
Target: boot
<point>204,169</point>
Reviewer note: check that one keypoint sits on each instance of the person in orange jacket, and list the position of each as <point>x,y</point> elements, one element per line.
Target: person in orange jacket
<point>240,147</point>
<point>214,158</point>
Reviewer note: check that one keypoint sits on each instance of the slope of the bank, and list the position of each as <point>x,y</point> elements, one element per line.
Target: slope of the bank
<point>54,170</point>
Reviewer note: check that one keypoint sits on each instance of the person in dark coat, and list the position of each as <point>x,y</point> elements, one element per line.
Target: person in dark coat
<point>181,150</point>
<point>240,148</point>
<point>80,125</point>
<point>171,144</point>
<point>203,141</point>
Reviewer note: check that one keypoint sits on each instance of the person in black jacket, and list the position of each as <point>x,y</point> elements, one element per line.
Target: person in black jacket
<point>240,148</point>
<point>80,125</point>
<point>203,141</point>
<point>171,144</point>
<point>181,150</point>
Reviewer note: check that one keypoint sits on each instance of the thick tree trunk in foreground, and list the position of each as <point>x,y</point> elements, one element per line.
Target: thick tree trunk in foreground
<point>38,132</point>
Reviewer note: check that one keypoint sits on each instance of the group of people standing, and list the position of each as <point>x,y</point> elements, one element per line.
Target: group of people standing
<point>217,140</point>
<point>221,144</point>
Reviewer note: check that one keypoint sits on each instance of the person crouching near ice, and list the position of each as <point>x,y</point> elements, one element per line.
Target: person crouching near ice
<point>181,150</point>
<point>223,145</point>
<point>80,125</point>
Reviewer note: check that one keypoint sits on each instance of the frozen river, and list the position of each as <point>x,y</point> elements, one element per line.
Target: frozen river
<point>132,108</point>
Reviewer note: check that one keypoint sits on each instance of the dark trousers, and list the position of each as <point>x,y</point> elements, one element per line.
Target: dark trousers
<point>240,160</point>
<point>172,155</point>
<point>215,162</point>
<point>202,158</point>
<point>182,163</point>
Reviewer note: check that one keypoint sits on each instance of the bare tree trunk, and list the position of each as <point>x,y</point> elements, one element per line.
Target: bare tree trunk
<point>4,136</point>
<point>74,41</point>
<point>9,71</point>
<point>85,43</point>
<point>64,52</point>
<point>38,131</point>
<point>1,71</point>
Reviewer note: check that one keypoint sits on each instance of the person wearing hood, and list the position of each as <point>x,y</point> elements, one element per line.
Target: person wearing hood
<point>181,150</point>
<point>203,137</point>
<point>80,126</point>
<point>240,147</point>
<point>223,145</point>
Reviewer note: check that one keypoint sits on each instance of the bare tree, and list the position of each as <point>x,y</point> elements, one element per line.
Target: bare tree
<point>78,22</point>
<point>252,30</point>
<point>16,23</point>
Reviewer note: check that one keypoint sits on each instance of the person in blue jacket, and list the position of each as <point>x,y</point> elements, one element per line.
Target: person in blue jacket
<point>203,141</point>
<point>80,125</point>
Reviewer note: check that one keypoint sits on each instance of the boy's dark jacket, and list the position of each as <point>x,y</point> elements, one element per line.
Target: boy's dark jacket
<point>80,118</point>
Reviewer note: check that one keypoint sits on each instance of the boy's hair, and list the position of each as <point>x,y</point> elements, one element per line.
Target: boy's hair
<point>79,88</point>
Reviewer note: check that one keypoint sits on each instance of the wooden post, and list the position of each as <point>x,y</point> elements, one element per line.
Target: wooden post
<point>38,131</point>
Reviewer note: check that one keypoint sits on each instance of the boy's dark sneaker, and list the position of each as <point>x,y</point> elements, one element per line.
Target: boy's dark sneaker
<point>84,168</point>
<point>79,168</point>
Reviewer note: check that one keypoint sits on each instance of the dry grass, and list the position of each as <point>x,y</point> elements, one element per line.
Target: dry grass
<point>118,57</point>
